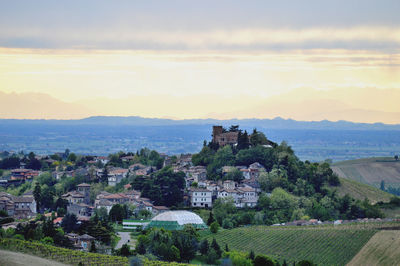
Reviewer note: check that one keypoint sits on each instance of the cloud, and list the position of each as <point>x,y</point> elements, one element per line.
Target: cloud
<point>369,38</point>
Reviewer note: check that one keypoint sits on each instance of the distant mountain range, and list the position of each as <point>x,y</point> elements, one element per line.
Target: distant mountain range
<point>276,123</point>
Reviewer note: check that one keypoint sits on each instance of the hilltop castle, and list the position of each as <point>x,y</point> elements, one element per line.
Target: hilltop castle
<point>223,138</point>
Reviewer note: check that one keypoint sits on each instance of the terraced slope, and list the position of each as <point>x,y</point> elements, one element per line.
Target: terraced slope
<point>382,249</point>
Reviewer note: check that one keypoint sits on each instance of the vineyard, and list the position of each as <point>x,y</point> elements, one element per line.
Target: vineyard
<point>324,245</point>
<point>68,256</point>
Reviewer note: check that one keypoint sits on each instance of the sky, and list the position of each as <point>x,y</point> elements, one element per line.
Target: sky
<point>306,60</point>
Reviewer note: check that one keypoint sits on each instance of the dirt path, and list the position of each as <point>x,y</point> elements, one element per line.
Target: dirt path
<point>382,249</point>
<point>21,259</point>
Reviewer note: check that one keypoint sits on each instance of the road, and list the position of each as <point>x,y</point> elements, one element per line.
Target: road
<point>125,236</point>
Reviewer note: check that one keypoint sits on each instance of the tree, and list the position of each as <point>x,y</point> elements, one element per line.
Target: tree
<point>258,138</point>
<point>261,260</point>
<point>141,248</point>
<point>69,222</point>
<point>210,219</point>
<point>125,251</point>
<point>212,256</point>
<point>104,175</point>
<point>214,227</point>
<point>37,194</point>
<point>117,213</point>
<point>204,247</point>
<point>234,175</point>
<point>93,247</point>
<point>216,247</point>
<point>252,255</point>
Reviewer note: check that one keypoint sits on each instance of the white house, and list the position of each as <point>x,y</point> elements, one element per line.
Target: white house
<point>200,197</point>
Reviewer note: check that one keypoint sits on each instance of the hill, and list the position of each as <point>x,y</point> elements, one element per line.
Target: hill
<point>20,259</point>
<point>361,191</point>
<point>370,171</point>
<point>381,249</point>
<point>324,245</point>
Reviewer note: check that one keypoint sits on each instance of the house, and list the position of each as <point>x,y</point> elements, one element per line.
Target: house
<point>117,198</point>
<point>200,197</point>
<point>159,209</point>
<point>84,189</point>
<point>23,174</point>
<point>25,207</point>
<point>74,197</point>
<point>116,175</point>
<point>197,173</point>
<point>82,242</point>
<point>255,169</point>
<point>102,159</point>
<point>246,173</point>
<point>80,209</point>
<point>229,184</point>
<point>20,207</point>
<point>248,196</point>
<point>57,221</point>
<point>103,203</point>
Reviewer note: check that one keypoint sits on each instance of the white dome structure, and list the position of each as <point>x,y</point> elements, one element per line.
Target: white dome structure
<point>175,220</point>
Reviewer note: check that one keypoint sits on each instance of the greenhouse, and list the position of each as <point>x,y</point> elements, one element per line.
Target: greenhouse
<point>176,220</point>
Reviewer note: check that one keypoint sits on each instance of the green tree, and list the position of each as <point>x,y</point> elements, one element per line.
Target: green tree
<point>69,223</point>
<point>210,219</point>
<point>214,245</point>
<point>117,213</point>
<point>37,194</point>
<point>214,227</point>
<point>204,247</point>
<point>261,260</point>
<point>93,247</point>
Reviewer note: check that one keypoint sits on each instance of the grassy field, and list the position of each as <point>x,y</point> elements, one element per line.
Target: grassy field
<point>382,249</point>
<point>370,171</point>
<point>324,245</point>
<point>361,191</point>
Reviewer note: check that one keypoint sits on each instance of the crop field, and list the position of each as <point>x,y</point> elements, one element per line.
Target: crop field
<point>381,249</point>
<point>361,191</point>
<point>324,245</point>
<point>370,171</point>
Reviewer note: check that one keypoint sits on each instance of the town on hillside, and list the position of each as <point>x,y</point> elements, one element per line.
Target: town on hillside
<point>86,202</point>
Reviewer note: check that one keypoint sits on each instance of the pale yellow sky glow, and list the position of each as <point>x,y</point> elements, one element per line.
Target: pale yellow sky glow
<point>179,84</point>
<point>76,75</point>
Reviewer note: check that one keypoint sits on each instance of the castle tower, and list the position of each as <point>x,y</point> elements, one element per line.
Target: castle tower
<point>217,130</point>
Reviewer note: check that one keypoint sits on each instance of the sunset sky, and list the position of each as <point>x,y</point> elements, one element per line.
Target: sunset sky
<point>306,60</point>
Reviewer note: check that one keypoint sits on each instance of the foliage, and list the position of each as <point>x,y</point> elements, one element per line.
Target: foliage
<point>262,260</point>
<point>238,258</point>
<point>163,187</point>
<point>214,227</point>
